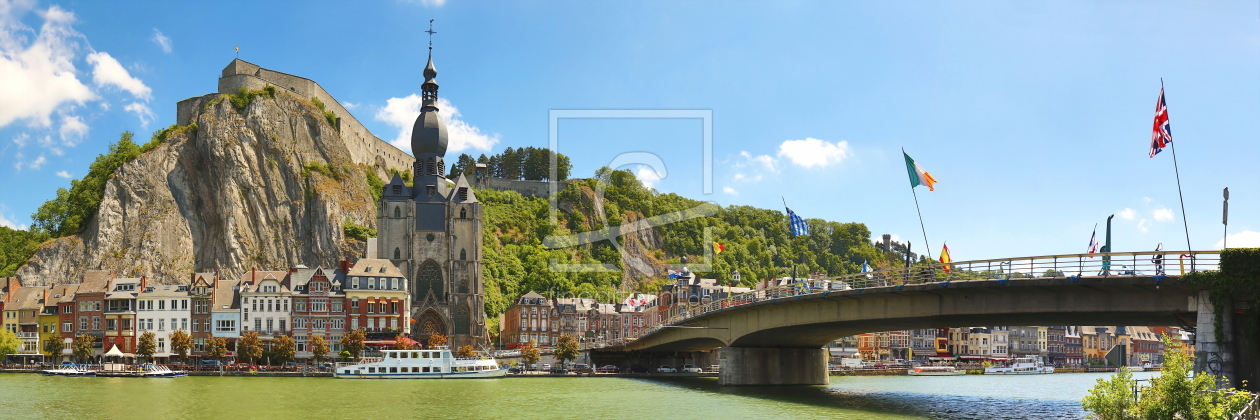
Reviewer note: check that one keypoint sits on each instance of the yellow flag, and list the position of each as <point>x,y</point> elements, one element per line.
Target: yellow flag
<point>718,248</point>
<point>238,48</point>
<point>945,257</point>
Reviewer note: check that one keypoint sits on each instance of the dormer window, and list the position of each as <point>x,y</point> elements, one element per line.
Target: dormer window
<point>463,196</point>
<point>430,189</point>
<point>397,191</point>
<point>382,269</point>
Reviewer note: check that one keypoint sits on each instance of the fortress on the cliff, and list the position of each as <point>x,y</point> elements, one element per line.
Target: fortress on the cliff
<point>365,148</point>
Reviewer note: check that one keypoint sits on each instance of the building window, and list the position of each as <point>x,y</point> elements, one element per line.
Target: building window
<point>225,325</point>
<point>257,324</point>
<point>282,325</point>
<point>397,254</point>
<point>463,213</point>
<point>111,324</point>
<point>462,320</point>
<point>463,255</point>
<point>429,279</point>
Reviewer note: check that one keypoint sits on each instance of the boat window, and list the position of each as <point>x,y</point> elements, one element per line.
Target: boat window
<point>371,370</point>
<point>425,370</point>
<point>405,355</point>
<point>415,355</point>
<point>393,370</point>
<point>437,369</point>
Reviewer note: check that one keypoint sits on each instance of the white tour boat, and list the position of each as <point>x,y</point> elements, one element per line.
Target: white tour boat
<point>935,371</point>
<point>1020,366</point>
<point>435,363</point>
<point>71,370</point>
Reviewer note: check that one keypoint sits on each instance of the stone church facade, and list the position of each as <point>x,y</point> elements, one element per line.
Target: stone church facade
<point>432,232</point>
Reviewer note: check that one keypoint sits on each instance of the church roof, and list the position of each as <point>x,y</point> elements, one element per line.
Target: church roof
<point>468,195</point>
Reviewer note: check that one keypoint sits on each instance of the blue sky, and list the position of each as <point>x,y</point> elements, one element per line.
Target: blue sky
<point>1035,117</point>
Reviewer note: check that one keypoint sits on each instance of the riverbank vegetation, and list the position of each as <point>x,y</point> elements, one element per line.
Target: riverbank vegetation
<point>1178,393</point>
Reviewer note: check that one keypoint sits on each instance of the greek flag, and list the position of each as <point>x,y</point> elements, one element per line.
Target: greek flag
<point>799,227</point>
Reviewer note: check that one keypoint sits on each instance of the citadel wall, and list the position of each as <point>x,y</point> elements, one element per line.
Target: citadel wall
<point>365,148</point>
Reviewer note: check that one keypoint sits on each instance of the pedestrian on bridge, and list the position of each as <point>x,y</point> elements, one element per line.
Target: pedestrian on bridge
<point>1159,260</point>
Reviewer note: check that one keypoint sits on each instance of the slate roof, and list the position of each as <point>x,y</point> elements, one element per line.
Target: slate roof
<point>96,281</point>
<point>226,297</point>
<point>251,279</point>
<point>375,267</point>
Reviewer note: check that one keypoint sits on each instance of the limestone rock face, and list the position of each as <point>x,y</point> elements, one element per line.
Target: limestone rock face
<point>267,187</point>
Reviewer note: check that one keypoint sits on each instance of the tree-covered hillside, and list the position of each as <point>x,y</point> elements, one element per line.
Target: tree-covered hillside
<point>758,241</point>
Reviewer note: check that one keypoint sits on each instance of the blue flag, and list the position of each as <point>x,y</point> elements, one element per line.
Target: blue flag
<point>799,227</point>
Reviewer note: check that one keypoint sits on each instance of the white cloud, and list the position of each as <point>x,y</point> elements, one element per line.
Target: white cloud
<point>162,41</point>
<point>1146,199</point>
<point>8,222</point>
<point>350,105</point>
<point>63,174</point>
<point>1127,214</point>
<point>430,3</point>
<point>1244,239</point>
<point>106,71</point>
<point>402,112</point>
<point>813,152</point>
<point>38,77</point>
<point>21,139</point>
<point>730,191</point>
<point>1163,215</point>
<point>765,160</point>
<point>35,164</point>
<point>1144,225</point>
<point>142,111</point>
<point>647,176</point>
<point>72,129</point>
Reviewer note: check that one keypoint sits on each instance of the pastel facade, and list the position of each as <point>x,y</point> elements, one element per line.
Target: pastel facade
<point>161,310</point>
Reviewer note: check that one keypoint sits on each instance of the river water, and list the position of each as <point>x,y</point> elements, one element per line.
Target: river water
<point>29,396</point>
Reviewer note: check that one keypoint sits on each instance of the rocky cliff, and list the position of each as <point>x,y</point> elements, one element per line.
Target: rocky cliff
<point>266,186</point>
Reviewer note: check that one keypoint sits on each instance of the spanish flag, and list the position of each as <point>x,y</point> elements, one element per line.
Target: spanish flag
<point>918,175</point>
<point>945,257</point>
<point>718,248</point>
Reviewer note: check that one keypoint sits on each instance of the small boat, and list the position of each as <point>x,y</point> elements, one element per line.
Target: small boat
<point>160,371</point>
<point>1020,366</point>
<point>71,370</point>
<point>435,363</point>
<point>935,371</point>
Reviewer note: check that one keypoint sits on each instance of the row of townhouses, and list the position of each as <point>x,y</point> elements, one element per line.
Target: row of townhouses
<point>301,302</point>
<point>1069,345</point>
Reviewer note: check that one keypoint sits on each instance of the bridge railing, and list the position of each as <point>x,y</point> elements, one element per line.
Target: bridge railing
<point>1157,264</point>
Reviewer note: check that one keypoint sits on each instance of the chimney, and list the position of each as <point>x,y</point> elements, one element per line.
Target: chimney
<point>144,282</point>
<point>345,265</point>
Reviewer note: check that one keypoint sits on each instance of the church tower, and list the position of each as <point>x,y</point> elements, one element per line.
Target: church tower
<point>432,231</point>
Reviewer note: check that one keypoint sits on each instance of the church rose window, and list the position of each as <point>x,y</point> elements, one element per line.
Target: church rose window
<point>429,278</point>
<point>461,320</point>
<point>429,237</point>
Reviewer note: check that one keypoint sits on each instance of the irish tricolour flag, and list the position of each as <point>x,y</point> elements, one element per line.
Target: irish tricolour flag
<point>918,175</point>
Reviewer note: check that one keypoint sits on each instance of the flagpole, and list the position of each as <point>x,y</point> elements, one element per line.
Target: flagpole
<point>927,245</point>
<point>1177,171</point>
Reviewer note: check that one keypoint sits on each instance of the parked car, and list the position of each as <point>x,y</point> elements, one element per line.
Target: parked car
<point>559,370</point>
<point>546,367</point>
<point>666,369</point>
<point>582,368</point>
<point>606,369</point>
<point>635,369</point>
<point>691,369</point>
<point>715,368</point>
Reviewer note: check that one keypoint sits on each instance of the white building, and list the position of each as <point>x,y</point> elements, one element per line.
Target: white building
<point>265,303</point>
<point>162,309</point>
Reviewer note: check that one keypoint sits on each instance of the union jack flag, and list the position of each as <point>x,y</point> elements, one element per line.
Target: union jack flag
<point>1161,133</point>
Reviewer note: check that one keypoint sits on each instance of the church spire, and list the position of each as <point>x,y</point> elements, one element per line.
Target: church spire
<point>430,87</point>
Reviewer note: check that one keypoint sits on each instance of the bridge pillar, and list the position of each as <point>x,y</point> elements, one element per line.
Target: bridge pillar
<point>772,366</point>
<point>1214,354</point>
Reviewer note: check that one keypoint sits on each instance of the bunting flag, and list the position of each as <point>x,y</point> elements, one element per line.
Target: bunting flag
<point>799,227</point>
<point>1161,133</point>
<point>718,248</point>
<point>945,259</point>
<point>918,175</point>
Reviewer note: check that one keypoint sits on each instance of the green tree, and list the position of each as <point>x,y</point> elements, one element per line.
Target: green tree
<point>71,210</point>
<point>216,348</point>
<point>284,349</point>
<point>353,342</point>
<point>1178,393</point>
<point>53,346</point>
<point>147,346</point>
<point>566,348</point>
<point>319,348</point>
<point>249,347</point>
<point>181,343</point>
<point>9,343</point>
<point>83,347</point>
<point>1112,398</point>
<point>16,247</point>
<point>463,165</point>
<point>530,353</point>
